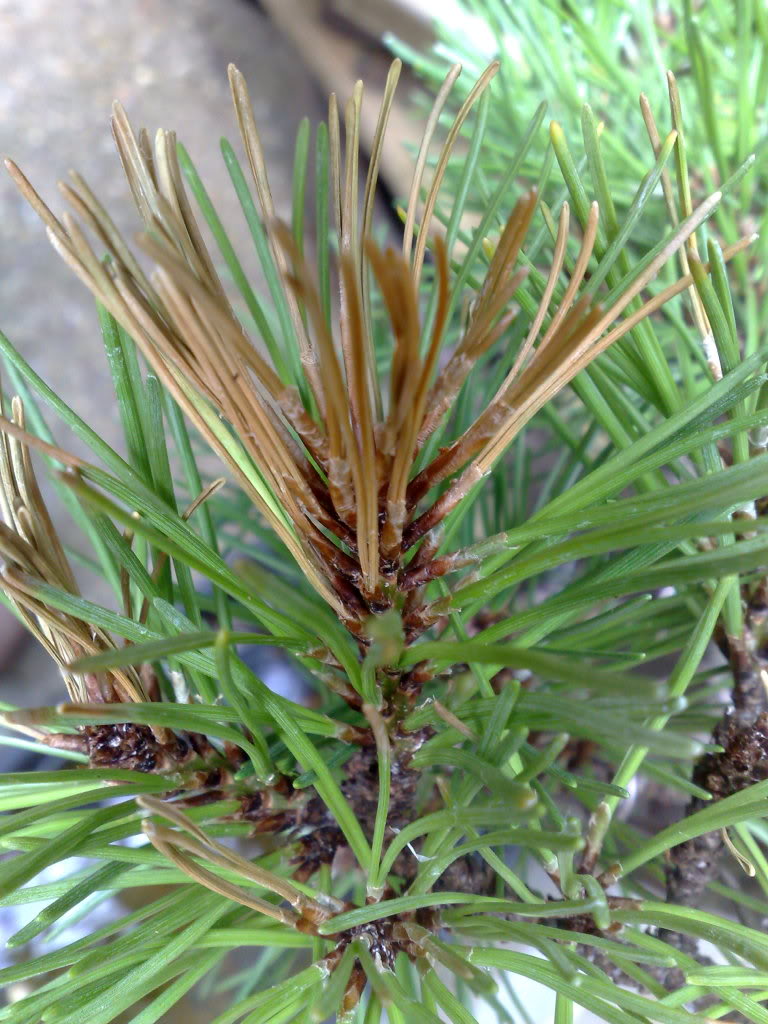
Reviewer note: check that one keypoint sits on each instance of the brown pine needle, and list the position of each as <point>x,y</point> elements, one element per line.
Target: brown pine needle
<point>31,548</point>
<point>362,418</point>
<point>169,844</point>
<point>198,841</point>
<point>250,136</point>
<point>369,199</point>
<point>338,485</point>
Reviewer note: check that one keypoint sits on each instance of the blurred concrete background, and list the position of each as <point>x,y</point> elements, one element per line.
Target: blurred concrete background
<point>166,61</point>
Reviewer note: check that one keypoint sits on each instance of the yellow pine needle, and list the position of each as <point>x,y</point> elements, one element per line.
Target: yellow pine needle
<point>423,154</point>
<point>138,170</point>
<point>172,189</point>
<point>36,202</point>
<point>67,639</point>
<point>577,276</point>
<point>506,252</point>
<point>334,153</point>
<point>180,249</point>
<point>429,206</point>
<point>699,314</point>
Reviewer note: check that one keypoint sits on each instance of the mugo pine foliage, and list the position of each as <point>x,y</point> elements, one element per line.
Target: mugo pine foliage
<point>496,496</point>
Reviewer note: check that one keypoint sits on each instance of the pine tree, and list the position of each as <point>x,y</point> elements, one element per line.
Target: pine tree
<point>492,495</point>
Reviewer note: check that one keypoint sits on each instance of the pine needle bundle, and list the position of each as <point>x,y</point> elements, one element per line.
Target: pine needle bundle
<point>476,508</point>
